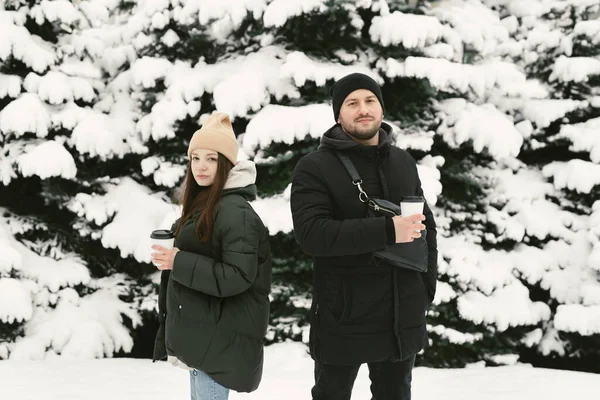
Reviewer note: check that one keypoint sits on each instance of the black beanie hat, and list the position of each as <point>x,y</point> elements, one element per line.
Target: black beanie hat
<point>348,84</point>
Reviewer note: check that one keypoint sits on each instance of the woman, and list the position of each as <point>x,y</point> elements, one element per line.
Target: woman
<point>215,284</point>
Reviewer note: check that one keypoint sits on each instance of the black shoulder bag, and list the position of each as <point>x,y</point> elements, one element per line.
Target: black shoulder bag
<point>412,255</point>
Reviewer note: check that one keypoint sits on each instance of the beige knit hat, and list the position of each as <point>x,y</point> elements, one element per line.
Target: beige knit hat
<point>216,134</point>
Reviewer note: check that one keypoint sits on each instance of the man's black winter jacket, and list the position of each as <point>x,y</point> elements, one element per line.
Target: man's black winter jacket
<point>362,311</point>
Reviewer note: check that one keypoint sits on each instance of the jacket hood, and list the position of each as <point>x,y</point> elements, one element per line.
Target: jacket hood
<point>242,180</point>
<point>336,138</point>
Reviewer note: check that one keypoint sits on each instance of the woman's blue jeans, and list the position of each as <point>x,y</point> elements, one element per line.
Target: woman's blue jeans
<point>203,387</point>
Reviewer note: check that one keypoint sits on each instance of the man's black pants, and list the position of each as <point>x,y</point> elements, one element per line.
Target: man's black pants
<point>389,380</point>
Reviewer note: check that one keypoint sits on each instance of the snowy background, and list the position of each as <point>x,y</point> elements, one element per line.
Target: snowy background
<point>498,100</point>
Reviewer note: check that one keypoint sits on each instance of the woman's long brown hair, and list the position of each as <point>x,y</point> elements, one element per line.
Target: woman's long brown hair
<point>194,197</point>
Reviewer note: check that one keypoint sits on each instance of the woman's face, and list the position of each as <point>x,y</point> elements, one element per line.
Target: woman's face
<point>204,166</point>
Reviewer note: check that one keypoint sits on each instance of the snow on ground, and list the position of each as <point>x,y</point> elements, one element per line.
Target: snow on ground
<point>288,376</point>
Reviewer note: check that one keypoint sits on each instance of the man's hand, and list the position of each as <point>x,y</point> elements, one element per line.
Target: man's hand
<point>408,228</point>
<point>163,258</point>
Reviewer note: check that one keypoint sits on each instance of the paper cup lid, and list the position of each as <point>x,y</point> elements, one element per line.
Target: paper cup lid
<point>412,199</point>
<point>162,234</point>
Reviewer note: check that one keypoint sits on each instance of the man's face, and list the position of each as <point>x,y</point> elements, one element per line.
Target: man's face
<point>361,114</point>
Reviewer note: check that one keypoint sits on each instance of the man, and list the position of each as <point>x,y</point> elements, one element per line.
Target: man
<point>363,310</point>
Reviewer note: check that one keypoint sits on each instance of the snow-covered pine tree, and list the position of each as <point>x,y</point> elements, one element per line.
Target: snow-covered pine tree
<point>516,253</point>
<point>472,321</point>
<point>63,290</point>
<point>556,43</point>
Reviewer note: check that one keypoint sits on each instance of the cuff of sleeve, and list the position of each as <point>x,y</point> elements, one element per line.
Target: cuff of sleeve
<point>183,267</point>
<point>390,230</point>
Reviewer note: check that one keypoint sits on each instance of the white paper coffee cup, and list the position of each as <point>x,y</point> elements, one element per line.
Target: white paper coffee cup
<point>411,205</point>
<point>162,237</point>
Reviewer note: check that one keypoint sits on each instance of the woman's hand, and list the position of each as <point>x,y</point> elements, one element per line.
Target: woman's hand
<point>163,258</point>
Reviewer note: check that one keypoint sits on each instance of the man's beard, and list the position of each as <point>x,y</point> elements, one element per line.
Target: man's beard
<point>362,134</point>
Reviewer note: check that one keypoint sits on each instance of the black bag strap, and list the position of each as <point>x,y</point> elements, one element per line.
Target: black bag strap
<point>356,180</point>
<point>349,166</point>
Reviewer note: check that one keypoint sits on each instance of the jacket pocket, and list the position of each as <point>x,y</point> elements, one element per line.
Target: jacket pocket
<point>361,301</point>
<point>193,305</point>
<point>367,300</point>
<point>332,296</point>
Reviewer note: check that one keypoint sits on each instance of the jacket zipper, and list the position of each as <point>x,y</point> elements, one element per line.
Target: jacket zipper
<point>382,209</point>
